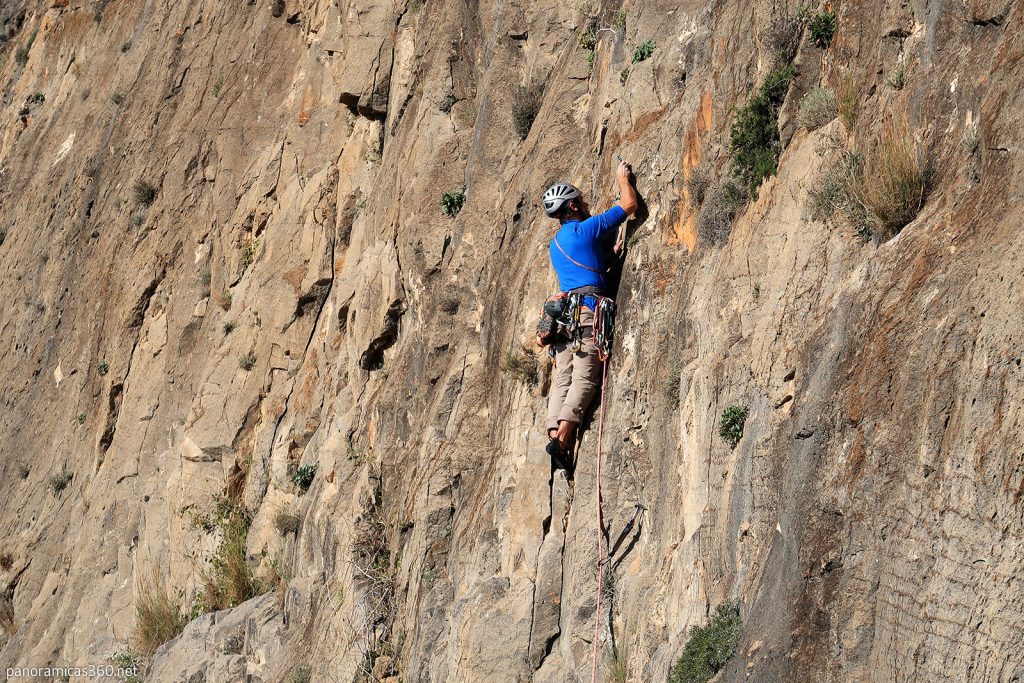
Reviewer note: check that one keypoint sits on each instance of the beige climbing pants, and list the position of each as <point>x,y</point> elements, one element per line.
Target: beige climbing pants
<point>577,376</point>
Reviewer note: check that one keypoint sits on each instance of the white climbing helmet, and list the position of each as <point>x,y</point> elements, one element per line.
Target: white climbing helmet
<point>557,195</point>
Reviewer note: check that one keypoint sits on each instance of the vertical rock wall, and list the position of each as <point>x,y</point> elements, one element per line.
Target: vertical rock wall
<point>293,295</point>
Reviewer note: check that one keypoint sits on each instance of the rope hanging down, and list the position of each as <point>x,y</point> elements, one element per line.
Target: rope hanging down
<point>600,545</point>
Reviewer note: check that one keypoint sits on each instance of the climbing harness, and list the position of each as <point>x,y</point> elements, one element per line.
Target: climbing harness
<point>560,320</point>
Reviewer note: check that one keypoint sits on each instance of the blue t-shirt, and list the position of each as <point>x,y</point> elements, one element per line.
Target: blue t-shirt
<point>588,242</point>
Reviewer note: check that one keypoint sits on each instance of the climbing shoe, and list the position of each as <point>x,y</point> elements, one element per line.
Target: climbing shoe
<point>561,459</point>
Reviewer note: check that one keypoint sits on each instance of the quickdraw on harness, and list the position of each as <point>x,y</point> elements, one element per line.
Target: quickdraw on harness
<point>560,321</point>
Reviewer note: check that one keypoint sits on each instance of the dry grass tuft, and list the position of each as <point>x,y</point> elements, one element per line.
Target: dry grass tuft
<point>158,618</point>
<point>893,182</point>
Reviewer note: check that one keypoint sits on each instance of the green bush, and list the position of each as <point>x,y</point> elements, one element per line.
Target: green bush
<point>525,109</point>
<point>248,361</point>
<point>230,580</point>
<point>228,327</point>
<point>644,51</point>
<point>730,424</point>
<point>37,98</point>
<point>303,476</point>
<point>452,202</point>
<point>818,107</point>
<point>754,136</point>
<point>300,674</point>
<point>586,39</point>
<point>447,103</point>
<point>710,647</point>
<point>823,27</point>
<point>899,78</point>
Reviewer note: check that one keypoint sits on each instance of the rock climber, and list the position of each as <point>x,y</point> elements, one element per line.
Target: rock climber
<point>582,252</point>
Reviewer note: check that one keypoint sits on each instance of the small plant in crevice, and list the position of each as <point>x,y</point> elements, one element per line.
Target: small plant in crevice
<point>822,27</point>
<point>303,477</point>
<point>137,218</point>
<point>224,299</point>
<point>447,103</point>
<point>521,366</point>
<point>117,98</point>
<point>249,251</point>
<point>525,109</point>
<point>6,561</point>
<point>618,666</point>
<point>899,78</point>
<point>698,183</point>
<point>37,98</point>
<point>60,481</point>
<point>783,37</point>
<point>754,135</point>
<point>300,674</point>
<point>832,194</point>
<point>217,85</point>
<point>158,617</point>
<point>97,14</point>
<point>672,385</point>
<point>80,418</point>
<point>228,327</point>
<point>21,56</point>
<point>126,46</point>
<point>205,277</point>
<point>247,362</point>
<point>143,192</point>
<point>287,522</point>
<point>849,105</point>
<point>709,647</point>
<point>643,51</point>
<point>619,23</point>
<point>130,665</point>
<point>103,367</point>
<point>23,470</point>
<point>452,202</point>
<point>230,579</point>
<point>818,107</point>
<point>720,208</point>
<point>374,577</point>
<point>429,578</point>
<point>730,424</point>
<point>586,39</point>
<point>624,75</point>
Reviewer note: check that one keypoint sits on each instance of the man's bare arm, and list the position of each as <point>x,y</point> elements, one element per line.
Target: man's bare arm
<point>627,201</point>
<point>627,195</point>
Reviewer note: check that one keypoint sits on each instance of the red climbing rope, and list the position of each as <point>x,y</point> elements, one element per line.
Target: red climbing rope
<point>600,545</point>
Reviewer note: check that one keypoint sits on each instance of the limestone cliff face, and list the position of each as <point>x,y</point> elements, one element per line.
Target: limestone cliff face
<point>293,295</point>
